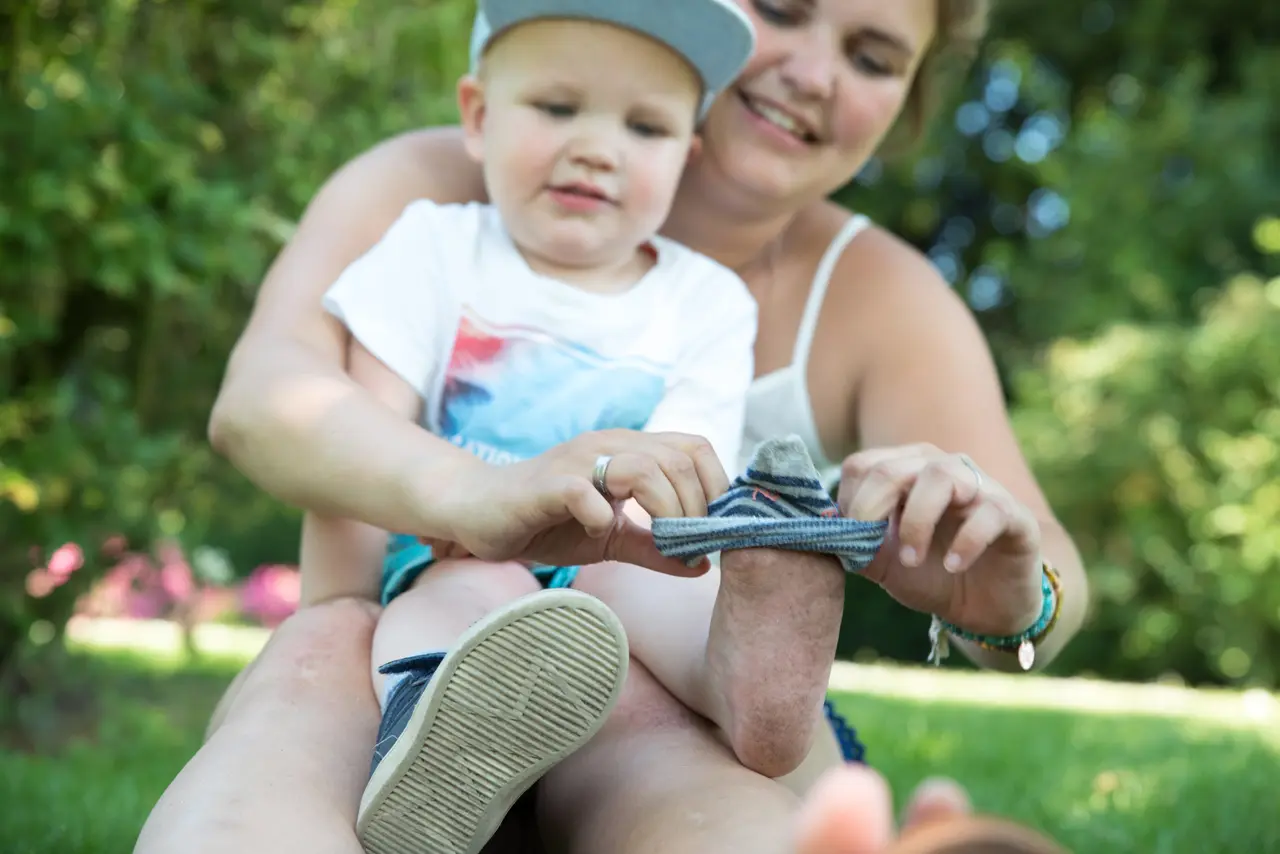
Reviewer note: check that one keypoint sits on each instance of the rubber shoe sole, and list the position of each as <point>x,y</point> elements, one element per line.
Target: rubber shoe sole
<point>521,690</point>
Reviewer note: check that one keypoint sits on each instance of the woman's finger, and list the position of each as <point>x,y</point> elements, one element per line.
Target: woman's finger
<point>878,491</point>
<point>987,522</point>
<point>584,503</point>
<point>934,491</point>
<point>711,473</point>
<point>683,476</point>
<point>639,476</point>
<point>857,464</point>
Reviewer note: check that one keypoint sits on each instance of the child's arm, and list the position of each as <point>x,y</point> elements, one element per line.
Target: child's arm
<point>344,556</point>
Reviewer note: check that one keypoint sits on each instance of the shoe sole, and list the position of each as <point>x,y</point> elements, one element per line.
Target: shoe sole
<point>521,690</point>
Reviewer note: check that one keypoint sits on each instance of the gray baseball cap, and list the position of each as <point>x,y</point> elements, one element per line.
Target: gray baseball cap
<point>714,36</point>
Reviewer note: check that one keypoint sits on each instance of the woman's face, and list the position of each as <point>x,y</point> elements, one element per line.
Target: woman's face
<point>826,84</point>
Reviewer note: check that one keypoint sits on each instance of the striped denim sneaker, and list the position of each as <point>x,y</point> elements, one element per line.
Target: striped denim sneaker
<point>464,735</point>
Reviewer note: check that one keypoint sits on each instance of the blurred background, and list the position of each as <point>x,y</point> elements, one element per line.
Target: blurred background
<point>1103,187</point>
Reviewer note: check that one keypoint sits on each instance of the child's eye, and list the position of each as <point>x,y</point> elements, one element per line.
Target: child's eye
<point>556,110</point>
<point>776,13</point>
<point>648,130</point>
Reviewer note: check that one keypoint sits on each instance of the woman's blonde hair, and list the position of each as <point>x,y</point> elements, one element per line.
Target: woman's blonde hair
<point>962,24</point>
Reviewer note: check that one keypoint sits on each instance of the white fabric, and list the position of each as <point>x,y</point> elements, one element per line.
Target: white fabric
<point>778,403</point>
<point>510,363</point>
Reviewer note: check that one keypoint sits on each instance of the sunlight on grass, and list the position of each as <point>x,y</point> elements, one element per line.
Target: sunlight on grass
<point>1253,709</point>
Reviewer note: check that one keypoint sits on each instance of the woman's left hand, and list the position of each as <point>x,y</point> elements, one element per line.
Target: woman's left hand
<point>959,544</point>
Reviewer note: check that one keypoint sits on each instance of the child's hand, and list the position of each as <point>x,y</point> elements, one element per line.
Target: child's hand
<point>547,509</point>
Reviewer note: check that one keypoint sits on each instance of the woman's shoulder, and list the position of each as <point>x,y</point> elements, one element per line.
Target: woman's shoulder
<point>430,163</point>
<point>878,277</point>
<point>888,318</point>
<point>363,197</point>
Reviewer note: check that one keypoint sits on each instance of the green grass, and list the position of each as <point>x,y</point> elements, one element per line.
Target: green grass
<point>1203,779</point>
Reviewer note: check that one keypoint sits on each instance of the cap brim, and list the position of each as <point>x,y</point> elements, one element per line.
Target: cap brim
<point>715,37</point>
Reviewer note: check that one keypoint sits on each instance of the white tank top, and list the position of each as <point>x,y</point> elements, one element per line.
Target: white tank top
<point>778,403</point>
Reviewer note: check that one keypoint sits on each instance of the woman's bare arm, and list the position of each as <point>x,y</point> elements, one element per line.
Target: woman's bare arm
<point>932,345</point>
<point>286,395</point>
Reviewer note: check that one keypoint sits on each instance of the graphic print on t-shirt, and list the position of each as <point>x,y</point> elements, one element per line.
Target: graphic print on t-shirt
<point>512,392</point>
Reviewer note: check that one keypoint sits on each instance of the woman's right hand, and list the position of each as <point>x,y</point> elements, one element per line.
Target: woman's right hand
<point>546,509</point>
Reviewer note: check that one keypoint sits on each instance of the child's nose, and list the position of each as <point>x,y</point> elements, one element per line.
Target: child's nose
<point>595,151</point>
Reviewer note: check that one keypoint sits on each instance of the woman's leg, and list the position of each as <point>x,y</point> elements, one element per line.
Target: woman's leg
<point>283,770</point>
<point>656,778</point>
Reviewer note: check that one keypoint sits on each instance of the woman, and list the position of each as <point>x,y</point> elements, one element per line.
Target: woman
<point>861,346</point>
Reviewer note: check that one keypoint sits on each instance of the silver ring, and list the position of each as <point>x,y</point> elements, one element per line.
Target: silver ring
<point>599,473</point>
<point>973,467</point>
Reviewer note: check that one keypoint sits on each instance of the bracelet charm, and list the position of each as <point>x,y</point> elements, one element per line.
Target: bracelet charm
<point>1024,643</point>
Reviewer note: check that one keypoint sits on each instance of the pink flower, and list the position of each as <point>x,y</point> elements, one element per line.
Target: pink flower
<point>177,581</point>
<point>271,593</point>
<point>66,560</point>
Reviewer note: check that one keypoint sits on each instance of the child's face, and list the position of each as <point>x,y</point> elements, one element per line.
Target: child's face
<point>584,130</point>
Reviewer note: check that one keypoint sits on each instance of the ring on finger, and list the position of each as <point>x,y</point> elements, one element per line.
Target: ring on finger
<point>973,467</point>
<point>599,473</point>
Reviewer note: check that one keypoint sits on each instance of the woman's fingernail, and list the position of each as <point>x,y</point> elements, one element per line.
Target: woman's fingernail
<point>952,562</point>
<point>909,557</point>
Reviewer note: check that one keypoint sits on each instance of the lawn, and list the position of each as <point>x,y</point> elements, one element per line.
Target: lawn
<point>1104,768</point>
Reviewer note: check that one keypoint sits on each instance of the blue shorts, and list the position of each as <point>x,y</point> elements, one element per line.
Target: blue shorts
<point>407,558</point>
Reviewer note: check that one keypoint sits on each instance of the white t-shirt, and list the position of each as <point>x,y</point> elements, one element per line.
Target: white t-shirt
<point>511,363</point>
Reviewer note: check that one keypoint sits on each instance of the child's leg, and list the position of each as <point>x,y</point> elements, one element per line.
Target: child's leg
<point>443,602</point>
<point>524,683</point>
<point>750,649</point>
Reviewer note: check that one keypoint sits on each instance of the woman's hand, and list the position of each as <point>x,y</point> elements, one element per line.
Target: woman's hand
<point>547,508</point>
<point>959,544</point>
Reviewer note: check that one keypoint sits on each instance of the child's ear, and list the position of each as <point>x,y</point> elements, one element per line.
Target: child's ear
<point>471,107</point>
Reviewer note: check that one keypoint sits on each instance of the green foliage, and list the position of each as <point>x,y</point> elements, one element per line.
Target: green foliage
<point>1160,448</point>
<point>1110,208</point>
<point>163,151</point>
<point>1103,188</point>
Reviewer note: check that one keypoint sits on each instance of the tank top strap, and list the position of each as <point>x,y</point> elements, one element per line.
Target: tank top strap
<point>818,290</point>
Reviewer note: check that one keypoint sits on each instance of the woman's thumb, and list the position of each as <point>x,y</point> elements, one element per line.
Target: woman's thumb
<point>633,543</point>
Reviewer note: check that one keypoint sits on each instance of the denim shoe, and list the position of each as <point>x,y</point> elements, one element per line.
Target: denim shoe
<point>464,735</point>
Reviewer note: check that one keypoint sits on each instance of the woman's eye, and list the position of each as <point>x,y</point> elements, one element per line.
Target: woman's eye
<point>872,66</point>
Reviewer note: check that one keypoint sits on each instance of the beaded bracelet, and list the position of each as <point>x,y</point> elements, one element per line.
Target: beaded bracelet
<point>1024,642</point>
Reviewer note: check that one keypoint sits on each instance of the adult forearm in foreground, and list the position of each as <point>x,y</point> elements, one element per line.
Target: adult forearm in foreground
<point>300,429</point>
